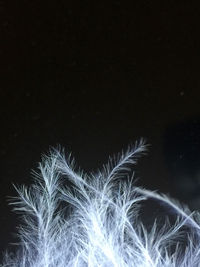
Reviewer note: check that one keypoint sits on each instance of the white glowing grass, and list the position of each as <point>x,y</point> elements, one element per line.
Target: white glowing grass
<point>100,225</point>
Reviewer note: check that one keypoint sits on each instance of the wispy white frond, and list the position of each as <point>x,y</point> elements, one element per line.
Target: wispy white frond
<point>74,219</point>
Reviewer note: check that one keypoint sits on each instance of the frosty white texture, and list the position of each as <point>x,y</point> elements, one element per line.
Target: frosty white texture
<point>77,219</point>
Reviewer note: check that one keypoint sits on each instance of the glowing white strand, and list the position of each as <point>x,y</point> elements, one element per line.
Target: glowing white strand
<point>103,227</point>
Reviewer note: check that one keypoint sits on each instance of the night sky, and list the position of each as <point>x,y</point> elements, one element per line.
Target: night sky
<point>94,78</point>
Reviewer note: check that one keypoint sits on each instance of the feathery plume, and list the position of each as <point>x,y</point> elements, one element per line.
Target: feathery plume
<point>74,219</point>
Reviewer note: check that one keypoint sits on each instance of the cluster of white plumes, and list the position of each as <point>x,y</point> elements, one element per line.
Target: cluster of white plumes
<point>74,219</point>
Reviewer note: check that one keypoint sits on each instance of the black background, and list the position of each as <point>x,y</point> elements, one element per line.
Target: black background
<point>94,77</point>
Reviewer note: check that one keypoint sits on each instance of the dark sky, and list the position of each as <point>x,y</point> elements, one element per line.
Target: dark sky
<point>95,77</point>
